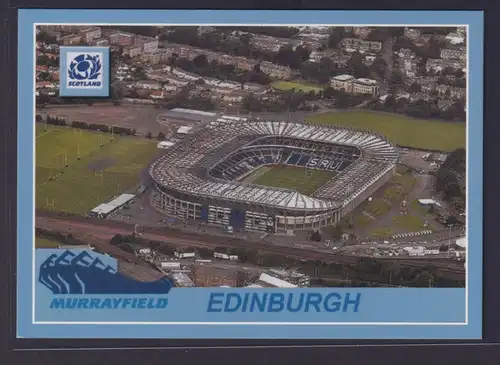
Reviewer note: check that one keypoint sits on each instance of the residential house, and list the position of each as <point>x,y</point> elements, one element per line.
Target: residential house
<point>148,84</point>
<point>276,71</point>
<point>156,94</point>
<point>316,56</point>
<point>409,67</point>
<point>90,34</point>
<point>455,38</point>
<point>359,45</point>
<point>99,42</point>
<point>45,85</point>
<point>438,65</point>
<point>421,96</point>
<point>133,51</point>
<point>342,82</point>
<point>148,44</point>
<point>162,55</point>
<point>340,61</point>
<point>205,29</point>
<point>454,53</point>
<point>450,92</point>
<point>444,104</point>
<point>121,39</point>
<point>368,60</point>
<point>361,32</point>
<point>411,33</point>
<point>71,39</point>
<point>406,54</point>
<point>365,86</point>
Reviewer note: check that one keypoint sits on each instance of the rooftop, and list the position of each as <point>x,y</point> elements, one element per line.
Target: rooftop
<point>183,280</point>
<point>343,77</point>
<point>368,82</point>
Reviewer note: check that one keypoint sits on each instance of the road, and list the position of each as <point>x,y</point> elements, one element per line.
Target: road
<point>102,230</point>
<point>387,53</point>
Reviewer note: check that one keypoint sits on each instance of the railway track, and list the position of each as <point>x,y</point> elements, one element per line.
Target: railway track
<point>178,238</point>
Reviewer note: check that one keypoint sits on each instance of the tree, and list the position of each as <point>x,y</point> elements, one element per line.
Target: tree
<point>139,73</point>
<point>116,240</point>
<point>161,136</point>
<point>337,34</point>
<point>316,236</point>
<point>45,37</point>
<point>415,88</point>
<point>200,61</point>
<point>379,67</point>
<point>149,135</point>
<point>378,34</point>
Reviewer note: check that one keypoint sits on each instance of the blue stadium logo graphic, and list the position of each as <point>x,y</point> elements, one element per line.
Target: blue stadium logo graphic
<point>84,67</point>
<point>82,273</point>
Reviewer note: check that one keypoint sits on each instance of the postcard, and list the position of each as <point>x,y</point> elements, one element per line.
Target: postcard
<point>250,174</point>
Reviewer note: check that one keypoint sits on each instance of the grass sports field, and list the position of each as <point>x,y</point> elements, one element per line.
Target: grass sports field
<point>74,173</point>
<point>305,181</point>
<point>402,130</point>
<point>297,85</point>
<point>45,243</point>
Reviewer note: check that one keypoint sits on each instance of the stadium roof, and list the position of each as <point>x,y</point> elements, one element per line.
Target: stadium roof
<point>177,170</point>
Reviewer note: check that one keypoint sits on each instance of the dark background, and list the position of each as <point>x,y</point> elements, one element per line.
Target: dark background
<point>241,352</point>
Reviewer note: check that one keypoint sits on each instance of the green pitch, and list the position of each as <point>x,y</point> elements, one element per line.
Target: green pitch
<point>74,173</point>
<point>402,130</point>
<point>45,243</point>
<point>297,85</point>
<point>305,181</point>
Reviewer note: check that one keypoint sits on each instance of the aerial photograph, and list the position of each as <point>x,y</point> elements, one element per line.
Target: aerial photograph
<point>260,156</point>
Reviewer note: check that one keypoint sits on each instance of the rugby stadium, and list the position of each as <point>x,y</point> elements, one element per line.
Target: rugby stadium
<point>205,176</point>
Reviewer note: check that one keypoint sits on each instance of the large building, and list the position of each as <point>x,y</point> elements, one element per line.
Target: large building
<point>365,86</point>
<point>350,84</point>
<point>342,82</point>
<point>200,177</point>
<point>359,45</point>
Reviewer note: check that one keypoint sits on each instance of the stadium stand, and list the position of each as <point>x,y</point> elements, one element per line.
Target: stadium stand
<point>200,177</point>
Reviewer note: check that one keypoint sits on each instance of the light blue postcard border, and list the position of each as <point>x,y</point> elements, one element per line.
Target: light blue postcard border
<point>427,313</point>
<point>64,91</point>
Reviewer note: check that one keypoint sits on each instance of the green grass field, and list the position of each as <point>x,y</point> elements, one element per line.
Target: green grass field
<point>402,130</point>
<point>45,243</point>
<point>381,232</point>
<point>297,85</point>
<point>409,223</point>
<point>305,181</point>
<point>93,174</point>
<point>377,207</point>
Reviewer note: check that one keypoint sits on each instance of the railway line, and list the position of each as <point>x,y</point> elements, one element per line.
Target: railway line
<point>101,231</point>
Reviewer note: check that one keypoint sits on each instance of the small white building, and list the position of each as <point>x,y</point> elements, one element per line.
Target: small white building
<point>275,282</point>
<point>102,210</point>
<point>182,280</point>
<point>415,251</point>
<point>170,265</point>
<point>428,202</point>
<point>461,242</point>
<point>184,255</point>
<point>165,144</point>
